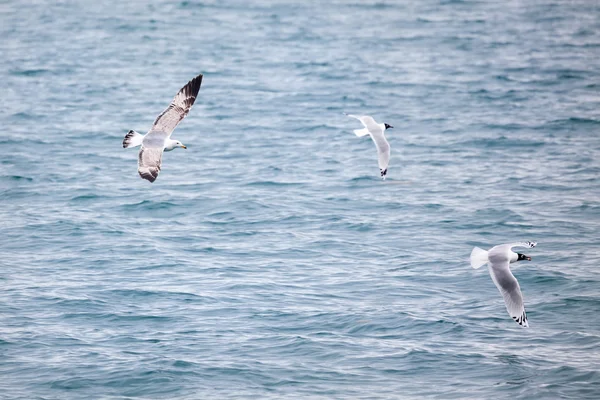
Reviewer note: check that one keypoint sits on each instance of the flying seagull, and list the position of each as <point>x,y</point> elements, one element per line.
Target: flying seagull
<point>499,258</point>
<point>377,134</point>
<point>158,139</point>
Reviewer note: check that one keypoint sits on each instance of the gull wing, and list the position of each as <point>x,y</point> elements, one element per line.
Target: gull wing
<point>509,246</point>
<point>354,116</point>
<point>376,131</point>
<point>149,162</point>
<point>367,121</point>
<point>179,107</point>
<point>383,151</point>
<point>509,287</point>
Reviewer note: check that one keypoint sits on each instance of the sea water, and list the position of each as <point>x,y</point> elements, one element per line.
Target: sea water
<point>269,260</point>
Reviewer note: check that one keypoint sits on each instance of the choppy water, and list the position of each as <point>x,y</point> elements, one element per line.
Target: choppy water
<point>269,260</point>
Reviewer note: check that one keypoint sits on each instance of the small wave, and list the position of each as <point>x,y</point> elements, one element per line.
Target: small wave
<point>137,317</point>
<point>189,4</point>
<point>184,364</point>
<point>149,205</point>
<point>29,72</point>
<point>551,280</point>
<point>376,6</point>
<point>503,78</point>
<point>569,75</point>
<point>364,178</point>
<point>575,121</point>
<point>593,302</point>
<point>85,197</point>
<point>309,64</point>
<point>19,178</point>
<point>501,141</point>
<point>273,184</point>
<point>23,115</point>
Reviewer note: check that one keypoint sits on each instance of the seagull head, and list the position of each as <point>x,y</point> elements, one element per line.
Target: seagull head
<point>523,257</point>
<point>172,144</point>
<point>387,126</point>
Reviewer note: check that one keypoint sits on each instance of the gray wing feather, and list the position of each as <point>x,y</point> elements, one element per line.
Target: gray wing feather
<point>376,132</point>
<point>353,116</point>
<point>179,107</point>
<point>383,151</point>
<point>509,246</point>
<point>509,287</point>
<point>149,161</point>
<point>367,121</point>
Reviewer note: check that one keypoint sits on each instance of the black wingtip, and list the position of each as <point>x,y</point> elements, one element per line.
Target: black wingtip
<point>194,85</point>
<point>149,177</point>
<point>190,91</point>
<point>522,320</point>
<point>127,138</point>
<point>149,174</point>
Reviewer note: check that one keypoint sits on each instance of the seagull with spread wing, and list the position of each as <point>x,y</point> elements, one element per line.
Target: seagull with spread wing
<point>158,139</point>
<point>499,259</point>
<point>377,134</point>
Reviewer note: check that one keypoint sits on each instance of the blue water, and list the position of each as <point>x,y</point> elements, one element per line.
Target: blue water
<point>269,260</point>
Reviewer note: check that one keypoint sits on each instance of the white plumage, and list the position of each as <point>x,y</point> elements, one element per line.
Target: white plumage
<point>377,134</point>
<point>158,139</point>
<point>499,259</point>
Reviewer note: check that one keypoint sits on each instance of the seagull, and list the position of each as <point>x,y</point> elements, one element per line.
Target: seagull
<point>499,258</point>
<point>158,139</point>
<point>377,134</point>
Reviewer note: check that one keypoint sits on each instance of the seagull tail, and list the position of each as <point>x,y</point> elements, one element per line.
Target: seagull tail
<point>132,139</point>
<point>479,257</point>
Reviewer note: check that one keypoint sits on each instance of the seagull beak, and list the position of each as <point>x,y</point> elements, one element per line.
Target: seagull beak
<point>527,257</point>
<point>184,146</point>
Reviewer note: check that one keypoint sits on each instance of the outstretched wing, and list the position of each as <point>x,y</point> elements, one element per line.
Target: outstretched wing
<point>368,122</point>
<point>179,107</point>
<point>502,248</point>
<point>383,151</point>
<point>376,132</point>
<point>509,287</point>
<point>149,161</point>
<point>521,244</point>
<point>524,244</point>
<point>353,116</point>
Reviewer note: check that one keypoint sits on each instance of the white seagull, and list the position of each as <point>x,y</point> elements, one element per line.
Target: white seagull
<point>158,139</point>
<point>377,134</point>
<point>499,258</point>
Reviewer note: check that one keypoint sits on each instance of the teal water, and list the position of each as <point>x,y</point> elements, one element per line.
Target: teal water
<point>269,260</point>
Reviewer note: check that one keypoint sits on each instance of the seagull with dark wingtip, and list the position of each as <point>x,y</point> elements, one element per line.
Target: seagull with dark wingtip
<point>377,134</point>
<point>499,258</point>
<point>158,139</point>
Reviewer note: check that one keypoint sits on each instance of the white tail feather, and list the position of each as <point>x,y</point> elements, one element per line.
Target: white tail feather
<point>361,132</point>
<point>479,257</point>
<point>132,139</point>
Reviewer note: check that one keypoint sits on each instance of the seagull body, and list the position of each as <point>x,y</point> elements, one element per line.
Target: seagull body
<point>377,134</point>
<point>499,259</point>
<point>158,139</point>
